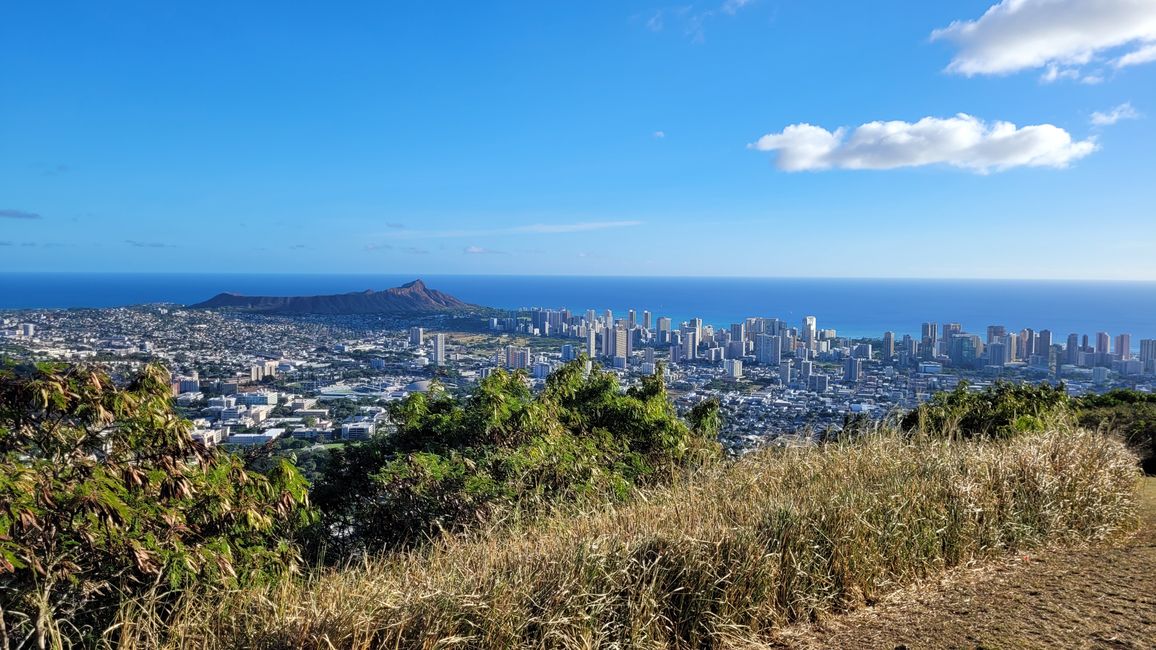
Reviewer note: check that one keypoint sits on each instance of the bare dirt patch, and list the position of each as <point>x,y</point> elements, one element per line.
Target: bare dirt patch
<point>1101,596</point>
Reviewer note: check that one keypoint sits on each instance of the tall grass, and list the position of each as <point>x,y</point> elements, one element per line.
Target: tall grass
<point>780,536</point>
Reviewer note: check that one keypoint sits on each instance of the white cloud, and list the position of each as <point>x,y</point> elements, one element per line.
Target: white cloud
<point>660,134</point>
<point>1061,35</point>
<point>1122,112</point>
<point>961,141</point>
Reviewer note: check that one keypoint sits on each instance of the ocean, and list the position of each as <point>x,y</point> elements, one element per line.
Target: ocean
<point>854,307</point>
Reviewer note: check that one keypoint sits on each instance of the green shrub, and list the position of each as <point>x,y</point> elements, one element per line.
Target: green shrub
<point>1000,411</point>
<point>504,451</point>
<point>105,496</point>
<point>1129,413</point>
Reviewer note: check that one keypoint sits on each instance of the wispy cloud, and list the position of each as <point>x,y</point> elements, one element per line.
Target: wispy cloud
<point>412,250</point>
<point>56,170</point>
<point>530,229</point>
<point>1122,112</point>
<point>9,213</point>
<point>479,250</point>
<point>962,141</point>
<point>148,244</point>
<point>692,19</point>
<point>395,226</point>
<point>659,135</point>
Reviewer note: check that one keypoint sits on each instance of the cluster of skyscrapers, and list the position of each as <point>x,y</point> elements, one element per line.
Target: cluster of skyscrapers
<point>1000,347</point>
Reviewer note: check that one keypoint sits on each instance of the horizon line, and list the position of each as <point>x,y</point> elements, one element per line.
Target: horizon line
<point>418,276</point>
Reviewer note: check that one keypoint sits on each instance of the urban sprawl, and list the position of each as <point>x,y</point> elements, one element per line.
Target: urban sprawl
<point>246,379</point>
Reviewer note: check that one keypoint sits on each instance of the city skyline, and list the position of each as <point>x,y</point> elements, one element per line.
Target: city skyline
<point>752,138</point>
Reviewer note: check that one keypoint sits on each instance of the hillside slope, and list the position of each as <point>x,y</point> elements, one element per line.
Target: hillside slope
<point>1100,596</point>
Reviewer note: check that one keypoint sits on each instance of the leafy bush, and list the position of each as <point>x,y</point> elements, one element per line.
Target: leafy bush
<point>104,495</point>
<point>1000,411</point>
<point>503,450</point>
<point>1130,413</point>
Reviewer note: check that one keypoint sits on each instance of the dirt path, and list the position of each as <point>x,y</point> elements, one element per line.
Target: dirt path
<point>1098,597</point>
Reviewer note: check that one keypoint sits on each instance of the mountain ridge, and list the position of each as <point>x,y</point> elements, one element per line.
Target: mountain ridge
<point>411,298</point>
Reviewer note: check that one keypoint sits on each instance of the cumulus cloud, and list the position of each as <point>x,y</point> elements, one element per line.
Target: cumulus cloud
<point>8,213</point>
<point>961,141</point>
<point>1122,112</point>
<point>1059,35</point>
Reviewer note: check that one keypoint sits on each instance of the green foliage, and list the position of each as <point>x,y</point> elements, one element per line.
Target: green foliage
<point>504,451</point>
<point>1130,413</point>
<point>1001,411</point>
<point>105,496</point>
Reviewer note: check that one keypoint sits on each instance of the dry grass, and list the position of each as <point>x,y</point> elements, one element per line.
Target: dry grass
<point>722,560</point>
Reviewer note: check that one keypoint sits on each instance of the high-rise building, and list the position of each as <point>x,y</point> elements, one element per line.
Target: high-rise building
<point>517,358</point>
<point>852,370</point>
<point>416,336</point>
<point>568,353</point>
<point>631,319</point>
<point>646,321</point>
<point>622,342</point>
<point>1044,347</point>
<point>663,330</point>
<point>739,332</point>
<point>696,325</point>
<point>929,342</point>
<point>997,353</point>
<point>1027,343</point>
<point>785,372</point>
<point>1102,339</point>
<point>591,349</point>
<point>733,368</point>
<point>964,350</point>
<point>438,350</point>
<point>690,344</point>
<point>768,349</point>
<point>1123,350</point>
<point>995,333</point>
<point>1072,350</point>
<point>888,345</point>
<point>1148,356</point>
<point>809,333</point>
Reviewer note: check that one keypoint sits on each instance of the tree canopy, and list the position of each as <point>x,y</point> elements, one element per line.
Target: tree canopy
<point>104,494</point>
<point>503,450</point>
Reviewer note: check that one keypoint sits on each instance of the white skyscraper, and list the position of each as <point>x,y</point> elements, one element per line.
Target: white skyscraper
<point>438,350</point>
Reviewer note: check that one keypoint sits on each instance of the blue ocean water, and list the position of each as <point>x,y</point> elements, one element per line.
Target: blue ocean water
<point>855,307</point>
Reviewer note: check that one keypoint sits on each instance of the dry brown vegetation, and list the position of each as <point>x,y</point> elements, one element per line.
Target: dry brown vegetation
<point>723,559</point>
<point>1082,596</point>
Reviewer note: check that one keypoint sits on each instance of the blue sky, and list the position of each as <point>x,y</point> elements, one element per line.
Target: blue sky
<point>629,138</point>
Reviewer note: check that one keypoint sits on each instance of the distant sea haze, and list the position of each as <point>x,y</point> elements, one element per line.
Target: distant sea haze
<point>854,307</point>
